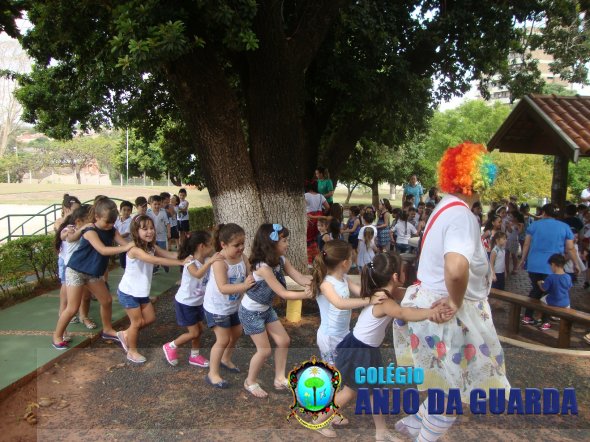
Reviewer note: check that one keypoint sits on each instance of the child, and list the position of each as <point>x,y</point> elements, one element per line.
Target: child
<point>227,281</point>
<point>135,285</point>
<point>323,235</point>
<point>141,205</point>
<point>123,226</point>
<point>172,210</point>
<point>402,231</point>
<point>497,260</point>
<point>66,241</point>
<point>557,286</point>
<point>569,264</point>
<point>493,225</point>
<point>161,223</point>
<point>188,302</point>
<point>367,234</point>
<point>383,222</point>
<point>334,291</point>
<point>68,205</point>
<point>183,219</point>
<point>514,226</point>
<point>258,317</point>
<point>360,348</point>
<point>87,266</point>
<point>353,226</point>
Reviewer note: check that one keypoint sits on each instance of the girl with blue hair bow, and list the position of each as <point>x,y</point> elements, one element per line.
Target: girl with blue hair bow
<point>258,317</point>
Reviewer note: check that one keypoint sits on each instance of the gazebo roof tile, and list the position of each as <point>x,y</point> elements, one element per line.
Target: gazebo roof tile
<point>547,124</point>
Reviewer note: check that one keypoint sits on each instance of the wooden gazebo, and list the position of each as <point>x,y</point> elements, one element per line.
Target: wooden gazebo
<point>548,125</point>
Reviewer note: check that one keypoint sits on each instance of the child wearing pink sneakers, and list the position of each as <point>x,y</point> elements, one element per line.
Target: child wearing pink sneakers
<point>188,301</point>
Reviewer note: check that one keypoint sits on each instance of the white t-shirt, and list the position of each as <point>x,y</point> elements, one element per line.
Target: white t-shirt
<point>404,231</point>
<point>247,302</point>
<point>124,227</point>
<point>585,194</point>
<point>182,216</point>
<point>455,230</point>
<point>314,202</point>
<point>499,263</point>
<point>192,290</point>
<point>160,223</point>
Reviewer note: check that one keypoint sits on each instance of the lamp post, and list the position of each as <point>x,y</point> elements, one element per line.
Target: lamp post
<point>127,155</point>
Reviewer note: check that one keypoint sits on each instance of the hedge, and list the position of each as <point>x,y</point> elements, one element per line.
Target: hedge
<point>25,256</point>
<point>201,218</point>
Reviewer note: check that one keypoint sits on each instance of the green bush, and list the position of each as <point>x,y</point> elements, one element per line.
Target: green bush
<point>30,254</point>
<point>201,218</point>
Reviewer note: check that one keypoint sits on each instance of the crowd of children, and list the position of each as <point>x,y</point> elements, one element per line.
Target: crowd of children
<point>233,294</point>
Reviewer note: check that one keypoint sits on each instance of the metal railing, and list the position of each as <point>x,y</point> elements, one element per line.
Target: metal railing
<point>49,215</point>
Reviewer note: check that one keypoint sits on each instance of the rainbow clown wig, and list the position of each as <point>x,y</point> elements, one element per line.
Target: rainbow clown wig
<point>465,169</point>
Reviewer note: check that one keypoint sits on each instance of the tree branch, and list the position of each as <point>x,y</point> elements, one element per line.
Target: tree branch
<point>314,23</point>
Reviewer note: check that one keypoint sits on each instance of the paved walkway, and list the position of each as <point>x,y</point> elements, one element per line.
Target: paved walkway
<point>26,329</point>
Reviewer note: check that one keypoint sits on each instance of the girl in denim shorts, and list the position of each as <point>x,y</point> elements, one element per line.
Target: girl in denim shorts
<point>256,313</point>
<point>134,288</point>
<point>87,266</point>
<point>227,281</point>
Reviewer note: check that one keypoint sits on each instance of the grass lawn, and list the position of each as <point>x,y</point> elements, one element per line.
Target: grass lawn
<point>21,193</point>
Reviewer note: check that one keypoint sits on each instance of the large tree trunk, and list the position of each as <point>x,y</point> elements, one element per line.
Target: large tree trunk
<point>375,193</point>
<point>212,114</point>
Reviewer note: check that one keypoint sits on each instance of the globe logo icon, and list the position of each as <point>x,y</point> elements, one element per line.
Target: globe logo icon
<point>314,389</point>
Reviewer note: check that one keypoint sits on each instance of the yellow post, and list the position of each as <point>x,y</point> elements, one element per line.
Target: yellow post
<point>294,307</point>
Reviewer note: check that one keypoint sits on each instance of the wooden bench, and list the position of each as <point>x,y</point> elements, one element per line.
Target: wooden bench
<point>567,316</point>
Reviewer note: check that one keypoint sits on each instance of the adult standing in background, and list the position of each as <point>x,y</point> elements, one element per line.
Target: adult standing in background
<point>325,185</point>
<point>544,238</point>
<point>414,188</point>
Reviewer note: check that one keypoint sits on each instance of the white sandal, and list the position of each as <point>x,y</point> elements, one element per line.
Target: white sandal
<point>255,387</point>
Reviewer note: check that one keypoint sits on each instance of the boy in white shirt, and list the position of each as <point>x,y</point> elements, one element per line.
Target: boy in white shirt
<point>123,226</point>
<point>161,223</point>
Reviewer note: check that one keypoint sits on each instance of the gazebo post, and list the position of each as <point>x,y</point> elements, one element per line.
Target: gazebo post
<point>559,181</point>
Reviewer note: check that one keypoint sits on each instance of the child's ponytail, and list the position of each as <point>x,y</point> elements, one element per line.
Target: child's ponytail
<point>377,274</point>
<point>334,253</point>
<point>225,233</point>
<point>189,246</point>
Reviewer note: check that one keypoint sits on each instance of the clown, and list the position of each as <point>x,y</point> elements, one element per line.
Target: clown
<point>453,269</point>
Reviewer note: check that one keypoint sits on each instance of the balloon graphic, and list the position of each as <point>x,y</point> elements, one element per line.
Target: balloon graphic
<point>399,322</point>
<point>414,341</point>
<point>430,341</point>
<point>469,352</point>
<point>441,349</point>
<point>457,358</point>
<point>485,350</point>
<point>500,358</point>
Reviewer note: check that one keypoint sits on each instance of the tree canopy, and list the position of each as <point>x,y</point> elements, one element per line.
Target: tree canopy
<point>262,89</point>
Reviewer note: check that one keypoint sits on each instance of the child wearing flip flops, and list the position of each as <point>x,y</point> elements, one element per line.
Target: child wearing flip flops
<point>227,281</point>
<point>188,302</point>
<point>258,317</point>
<point>135,285</point>
<point>87,267</point>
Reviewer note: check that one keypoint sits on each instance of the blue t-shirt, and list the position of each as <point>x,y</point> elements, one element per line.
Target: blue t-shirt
<point>558,287</point>
<point>416,190</point>
<point>548,236</point>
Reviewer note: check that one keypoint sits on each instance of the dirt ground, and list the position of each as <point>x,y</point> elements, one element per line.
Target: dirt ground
<point>97,395</point>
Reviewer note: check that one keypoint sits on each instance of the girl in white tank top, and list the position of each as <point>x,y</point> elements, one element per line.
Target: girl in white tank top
<point>360,348</point>
<point>229,279</point>
<point>136,282</point>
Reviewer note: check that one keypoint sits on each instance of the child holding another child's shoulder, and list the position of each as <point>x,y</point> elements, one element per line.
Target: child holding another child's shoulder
<point>256,313</point>
<point>134,288</point>
<point>188,302</point>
